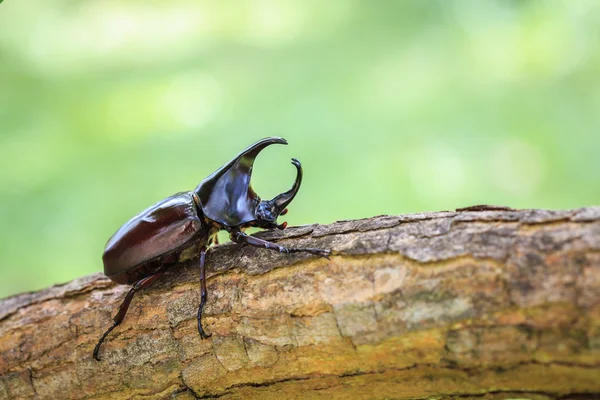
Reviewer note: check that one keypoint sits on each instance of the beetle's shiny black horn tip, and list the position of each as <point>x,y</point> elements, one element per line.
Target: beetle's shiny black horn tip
<point>296,162</point>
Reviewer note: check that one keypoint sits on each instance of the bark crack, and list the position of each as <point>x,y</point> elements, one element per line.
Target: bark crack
<point>30,370</point>
<point>230,389</point>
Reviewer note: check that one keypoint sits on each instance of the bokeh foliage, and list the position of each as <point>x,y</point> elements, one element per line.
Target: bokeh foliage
<point>392,106</point>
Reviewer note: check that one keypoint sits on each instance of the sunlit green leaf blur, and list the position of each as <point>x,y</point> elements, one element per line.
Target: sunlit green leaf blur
<point>392,106</point>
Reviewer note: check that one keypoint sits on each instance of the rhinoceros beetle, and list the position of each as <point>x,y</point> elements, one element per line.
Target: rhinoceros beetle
<point>148,244</point>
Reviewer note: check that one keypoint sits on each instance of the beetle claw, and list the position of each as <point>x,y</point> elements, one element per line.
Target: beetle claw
<point>283,212</point>
<point>322,253</point>
<point>282,226</point>
<point>203,335</point>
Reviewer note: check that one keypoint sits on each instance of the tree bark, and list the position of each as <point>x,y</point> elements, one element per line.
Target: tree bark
<point>477,303</point>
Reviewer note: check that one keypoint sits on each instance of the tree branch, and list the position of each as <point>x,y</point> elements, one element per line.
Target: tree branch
<point>448,304</point>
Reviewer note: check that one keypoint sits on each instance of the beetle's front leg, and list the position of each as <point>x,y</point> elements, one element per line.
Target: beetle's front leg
<point>241,237</point>
<point>203,294</point>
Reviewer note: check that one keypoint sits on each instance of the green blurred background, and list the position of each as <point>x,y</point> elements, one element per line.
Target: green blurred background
<point>392,106</point>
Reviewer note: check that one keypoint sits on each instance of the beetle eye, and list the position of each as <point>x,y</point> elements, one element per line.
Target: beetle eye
<point>265,212</point>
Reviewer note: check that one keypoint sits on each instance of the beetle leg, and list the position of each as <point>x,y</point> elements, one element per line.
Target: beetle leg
<point>203,294</point>
<point>125,306</point>
<point>241,237</point>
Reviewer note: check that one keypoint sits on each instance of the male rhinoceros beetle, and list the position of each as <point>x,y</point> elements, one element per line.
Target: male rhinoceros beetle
<point>152,241</point>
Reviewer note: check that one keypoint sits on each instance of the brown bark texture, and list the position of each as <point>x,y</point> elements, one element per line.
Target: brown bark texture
<point>481,303</point>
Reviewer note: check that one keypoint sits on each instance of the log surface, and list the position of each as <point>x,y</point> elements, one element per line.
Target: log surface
<point>478,303</point>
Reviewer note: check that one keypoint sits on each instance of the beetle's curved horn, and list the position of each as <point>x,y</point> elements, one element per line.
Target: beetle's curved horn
<point>226,196</point>
<point>241,163</point>
<point>281,201</point>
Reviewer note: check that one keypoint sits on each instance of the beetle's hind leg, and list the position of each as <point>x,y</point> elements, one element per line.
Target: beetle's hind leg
<point>203,294</point>
<point>241,237</point>
<point>125,306</point>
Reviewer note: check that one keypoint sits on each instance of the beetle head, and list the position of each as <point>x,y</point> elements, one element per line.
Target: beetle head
<point>227,198</point>
<point>267,211</point>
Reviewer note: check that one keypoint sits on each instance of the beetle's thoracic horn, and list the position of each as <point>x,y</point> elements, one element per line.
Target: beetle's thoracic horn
<point>226,196</point>
<point>244,162</point>
<point>281,201</point>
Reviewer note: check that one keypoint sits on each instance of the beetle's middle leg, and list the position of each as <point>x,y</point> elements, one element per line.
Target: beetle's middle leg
<point>241,237</point>
<point>203,294</point>
<point>142,283</point>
